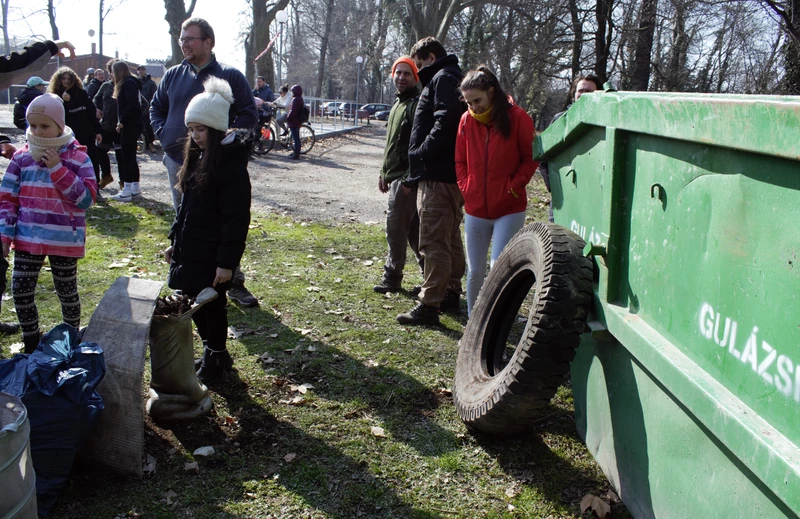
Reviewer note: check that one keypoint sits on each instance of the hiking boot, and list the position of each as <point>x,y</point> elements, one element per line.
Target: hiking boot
<point>451,302</point>
<point>105,180</point>
<point>227,361</point>
<point>213,365</point>
<point>31,341</point>
<point>420,314</point>
<point>9,328</point>
<point>387,284</point>
<point>415,290</point>
<point>242,296</point>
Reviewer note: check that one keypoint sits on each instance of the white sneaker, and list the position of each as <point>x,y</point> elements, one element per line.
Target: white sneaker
<point>135,189</point>
<point>124,194</point>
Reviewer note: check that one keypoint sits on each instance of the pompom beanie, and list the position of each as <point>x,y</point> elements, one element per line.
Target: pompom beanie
<point>212,106</point>
<point>50,105</point>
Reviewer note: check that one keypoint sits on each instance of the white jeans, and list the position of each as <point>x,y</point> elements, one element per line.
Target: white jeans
<point>172,175</point>
<point>478,232</point>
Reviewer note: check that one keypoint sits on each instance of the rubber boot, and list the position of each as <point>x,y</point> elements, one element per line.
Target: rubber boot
<point>31,341</point>
<point>213,365</point>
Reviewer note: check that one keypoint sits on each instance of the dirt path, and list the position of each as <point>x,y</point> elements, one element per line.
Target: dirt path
<point>336,182</point>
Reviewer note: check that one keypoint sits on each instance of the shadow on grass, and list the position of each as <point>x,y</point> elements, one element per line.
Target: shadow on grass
<point>536,458</point>
<point>105,218</point>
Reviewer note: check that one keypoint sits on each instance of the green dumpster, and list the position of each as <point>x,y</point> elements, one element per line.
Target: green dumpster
<point>687,389</point>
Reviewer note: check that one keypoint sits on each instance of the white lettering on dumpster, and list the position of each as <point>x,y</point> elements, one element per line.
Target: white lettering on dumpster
<point>763,359</point>
<point>596,237</point>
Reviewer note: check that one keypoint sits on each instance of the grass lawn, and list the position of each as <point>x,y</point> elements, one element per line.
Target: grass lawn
<point>284,453</point>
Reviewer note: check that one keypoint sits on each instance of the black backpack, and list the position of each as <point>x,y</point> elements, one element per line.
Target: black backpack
<point>304,114</point>
<point>19,116</point>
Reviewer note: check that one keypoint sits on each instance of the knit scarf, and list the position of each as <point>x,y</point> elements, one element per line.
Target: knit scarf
<point>38,145</point>
<point>485,117</point>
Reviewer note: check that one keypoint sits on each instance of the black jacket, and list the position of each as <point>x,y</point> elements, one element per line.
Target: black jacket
<point>93,86</point>
<point>211,227</point>
<point>21,106</point>
<point>129,108</point>
<point>81,116</point>
<point>105,102</point>
<point>148,87</point>
<point>432,148</point>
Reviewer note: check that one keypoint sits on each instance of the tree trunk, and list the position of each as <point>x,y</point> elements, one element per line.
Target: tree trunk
<point>323,47</point>
<point>4,5</point>
<point>577,40</point>
<point>51,14</point>
<point>602,38</point>
<point>676,70</point>
<point>434,17</point>
<point>176,14</point>
<point>640,75</point>
<point>100,29</point>
<point>791,49</point>
<point>257,41</point>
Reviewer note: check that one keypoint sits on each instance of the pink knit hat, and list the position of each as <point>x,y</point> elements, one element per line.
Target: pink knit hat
<point>50,105</point>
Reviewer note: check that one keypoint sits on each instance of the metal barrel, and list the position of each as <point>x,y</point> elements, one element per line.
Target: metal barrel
<point>17,478</point>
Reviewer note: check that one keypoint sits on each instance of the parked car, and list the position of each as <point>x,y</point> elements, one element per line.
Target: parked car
<point>383,115</point>
<point>329,108</point>
<point>373,108</point>
<point>346,110</point>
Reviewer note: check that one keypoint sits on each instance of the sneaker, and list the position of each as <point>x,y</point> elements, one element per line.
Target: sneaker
<point>213,365</point>
<point>451,302</point>
<point>9,328</point>
<point>242,296</point>
<point>420,314</point>
<point>122,196</point>
<point>105,180</point>
<point>136,190</point>
<point>386,285</point>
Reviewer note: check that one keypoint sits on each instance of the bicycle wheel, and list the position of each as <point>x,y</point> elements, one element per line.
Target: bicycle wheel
<point>265,141</point>
<point>307,138</point>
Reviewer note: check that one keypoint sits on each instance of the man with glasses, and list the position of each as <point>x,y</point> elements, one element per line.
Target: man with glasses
<point>179,85</point>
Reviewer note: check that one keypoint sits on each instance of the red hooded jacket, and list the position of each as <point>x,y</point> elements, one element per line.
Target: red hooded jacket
<point>489,166</point>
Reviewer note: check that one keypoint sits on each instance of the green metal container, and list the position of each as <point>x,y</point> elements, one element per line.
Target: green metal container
<point>687,390</point>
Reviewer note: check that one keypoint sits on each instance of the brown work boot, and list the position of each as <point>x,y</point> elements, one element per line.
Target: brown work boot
<point>420,314</point>
<point>105,180</point>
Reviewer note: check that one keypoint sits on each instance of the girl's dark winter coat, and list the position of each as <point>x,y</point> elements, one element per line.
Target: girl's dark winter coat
<point>128,107</point>
<point>211,227</point>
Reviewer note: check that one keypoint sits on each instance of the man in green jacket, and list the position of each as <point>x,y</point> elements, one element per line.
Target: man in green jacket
<point>402,221</point>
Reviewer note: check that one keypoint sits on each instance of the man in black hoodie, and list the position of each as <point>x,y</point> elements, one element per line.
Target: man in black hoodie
<point>36,86</point>
<point>432,164</point>
<point>149,88</point>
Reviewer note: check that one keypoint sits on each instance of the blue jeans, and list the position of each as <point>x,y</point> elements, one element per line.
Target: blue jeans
<point>478,232</point>
<point>172,174</point>
<point>296,139</point>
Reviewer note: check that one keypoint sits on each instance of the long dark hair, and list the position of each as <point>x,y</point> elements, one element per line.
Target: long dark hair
<point>483,79</point>
<point>121,72</point>
<point>201,167</point>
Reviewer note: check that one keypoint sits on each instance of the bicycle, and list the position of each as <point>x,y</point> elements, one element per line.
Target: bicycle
<point>264,135</point>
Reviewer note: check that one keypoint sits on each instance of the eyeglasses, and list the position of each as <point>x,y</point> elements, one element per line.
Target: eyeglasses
<point>189,40</point>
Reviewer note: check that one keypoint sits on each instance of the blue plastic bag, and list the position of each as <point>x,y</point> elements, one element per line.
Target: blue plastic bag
<point>57,383</point>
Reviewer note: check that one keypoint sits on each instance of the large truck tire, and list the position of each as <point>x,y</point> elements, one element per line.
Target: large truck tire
<point>500,395</point>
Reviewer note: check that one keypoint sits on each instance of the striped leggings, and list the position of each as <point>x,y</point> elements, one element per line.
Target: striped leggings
<point>24,280</point>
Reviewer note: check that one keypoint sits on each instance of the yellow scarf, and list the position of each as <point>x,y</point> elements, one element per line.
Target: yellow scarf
<point>485,117</point>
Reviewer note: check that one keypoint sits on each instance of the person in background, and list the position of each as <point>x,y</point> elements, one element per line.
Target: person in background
<point>36,86</point>
<point>494,163</point>
<point>283,103</point>
<point>179,85</point>
<point>149,88</point>
<point>107,106</point>
<point>48,186</point>
<point>98,78</point>
<point>402,221</point>
<point>263,91</point>
<point>17,66</point>
<point>293,119</point>
<point>88,77</point>
<point>81,114</point>
<point>581,85</point>
<point>209,234</point>
<point>129,127</point>
<point>431,156</point>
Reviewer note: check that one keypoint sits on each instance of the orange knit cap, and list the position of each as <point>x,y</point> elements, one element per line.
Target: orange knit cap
<point>408,61</point>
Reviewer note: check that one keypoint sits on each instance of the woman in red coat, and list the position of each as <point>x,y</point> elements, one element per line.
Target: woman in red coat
<point>494,163</point>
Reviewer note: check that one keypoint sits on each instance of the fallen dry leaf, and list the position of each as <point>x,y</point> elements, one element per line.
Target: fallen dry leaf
<point>204,451</point>
<point>312,348</point>
<point>313,289</point>
<point>368,263</point>
<point>304,331</point>
<point>266,359</point>
<point>191,466</point>
<point>169,496</point>
<point>598,506</point>
<point>289,457</point>
<point>150,465</point>
<point>298,400</point>
<point>379,432</point>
